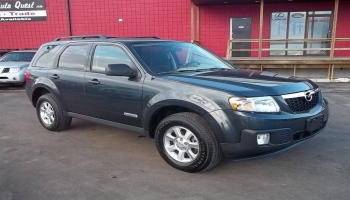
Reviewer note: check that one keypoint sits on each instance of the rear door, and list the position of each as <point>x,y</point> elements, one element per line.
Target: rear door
<point>68,77</point>
<point>113,98</point>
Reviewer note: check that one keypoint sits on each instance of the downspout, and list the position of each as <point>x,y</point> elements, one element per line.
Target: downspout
<point>69,18</point>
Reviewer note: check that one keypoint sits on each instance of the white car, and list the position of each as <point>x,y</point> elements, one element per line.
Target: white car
<point>13,66</point>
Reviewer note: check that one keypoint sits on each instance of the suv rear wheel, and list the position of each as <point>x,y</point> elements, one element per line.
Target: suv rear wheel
<point>50,114</point>
<point>186,142</point>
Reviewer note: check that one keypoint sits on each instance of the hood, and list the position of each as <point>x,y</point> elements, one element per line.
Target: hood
<point>13,64</point>
<point>249,83</point>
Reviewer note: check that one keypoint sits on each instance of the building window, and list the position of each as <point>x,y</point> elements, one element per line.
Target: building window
<point>300,26</point>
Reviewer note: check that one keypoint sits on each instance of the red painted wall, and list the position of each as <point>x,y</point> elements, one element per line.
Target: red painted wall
<point>165,19</point>
<point>215,25</point>
<point>20,35</point>
<point>343,28</point>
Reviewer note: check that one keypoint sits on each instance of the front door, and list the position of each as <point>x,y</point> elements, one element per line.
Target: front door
<point>241,28</point>
<point>113,98</point>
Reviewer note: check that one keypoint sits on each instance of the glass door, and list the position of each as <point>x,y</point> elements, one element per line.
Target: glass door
<point>319,28</point>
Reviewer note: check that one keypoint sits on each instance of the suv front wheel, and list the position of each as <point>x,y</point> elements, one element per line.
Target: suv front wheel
<point>186,142</point>
<point>50,114</point>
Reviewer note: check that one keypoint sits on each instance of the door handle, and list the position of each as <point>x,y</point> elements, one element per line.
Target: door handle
<point>94,82</point>
<point>55,76</point>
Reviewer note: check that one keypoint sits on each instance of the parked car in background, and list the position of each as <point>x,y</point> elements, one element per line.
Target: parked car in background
<point>13,66</point>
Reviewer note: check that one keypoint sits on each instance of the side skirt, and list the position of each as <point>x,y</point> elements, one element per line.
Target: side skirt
<point>105,122</point>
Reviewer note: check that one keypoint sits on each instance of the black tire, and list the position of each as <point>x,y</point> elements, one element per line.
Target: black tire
<point>60,122</point>
<point>209,154</point>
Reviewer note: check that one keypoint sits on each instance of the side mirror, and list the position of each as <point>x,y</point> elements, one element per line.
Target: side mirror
<point>120,70</point>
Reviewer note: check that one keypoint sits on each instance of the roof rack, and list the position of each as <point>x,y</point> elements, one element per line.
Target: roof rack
<point>141,37</point>
<point>81,37</point>
<point>153,37</point>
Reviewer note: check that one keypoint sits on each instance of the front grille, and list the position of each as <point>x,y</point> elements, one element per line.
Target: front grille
<point>280,137</point>
<point>300,104</point>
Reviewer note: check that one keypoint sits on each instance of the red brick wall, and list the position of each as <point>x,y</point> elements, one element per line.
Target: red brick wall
<point>20,35</point>
<point>165,19</point>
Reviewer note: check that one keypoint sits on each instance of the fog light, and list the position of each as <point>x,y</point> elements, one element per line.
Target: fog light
<point>263,139</point>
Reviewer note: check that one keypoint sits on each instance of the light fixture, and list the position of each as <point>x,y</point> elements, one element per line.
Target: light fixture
<point>263,139</point>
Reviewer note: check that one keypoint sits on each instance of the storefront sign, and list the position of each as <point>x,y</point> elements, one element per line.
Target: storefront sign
<point>279,16</point>
<point>298,15</point>
<point>22,10</point>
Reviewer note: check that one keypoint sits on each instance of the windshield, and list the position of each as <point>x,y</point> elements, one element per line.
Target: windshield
<point>166,57</point>
<point>18,56</point>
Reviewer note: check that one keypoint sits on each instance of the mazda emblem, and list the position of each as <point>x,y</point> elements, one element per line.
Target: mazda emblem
<point>308,96</point>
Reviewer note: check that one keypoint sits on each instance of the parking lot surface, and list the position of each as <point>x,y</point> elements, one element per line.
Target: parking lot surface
<point>90,161</point>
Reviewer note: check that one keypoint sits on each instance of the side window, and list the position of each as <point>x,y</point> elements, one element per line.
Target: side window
<point>74,57</point>
<point>46,56</point>
<point>105,55</point>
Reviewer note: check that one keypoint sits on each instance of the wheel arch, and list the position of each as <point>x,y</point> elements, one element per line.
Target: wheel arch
<point>159,111</point>
<point>44,86</point>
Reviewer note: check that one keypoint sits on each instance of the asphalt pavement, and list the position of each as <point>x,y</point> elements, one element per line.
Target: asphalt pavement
<point>90,161</point>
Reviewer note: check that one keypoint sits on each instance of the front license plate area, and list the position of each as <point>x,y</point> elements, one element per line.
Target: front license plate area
<point>314,123</point>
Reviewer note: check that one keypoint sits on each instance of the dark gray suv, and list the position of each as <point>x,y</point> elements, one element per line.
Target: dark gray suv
<point>197,106</point>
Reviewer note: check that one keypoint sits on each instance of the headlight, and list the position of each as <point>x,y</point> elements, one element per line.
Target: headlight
<point>15,69</point>
<point>255,104</point>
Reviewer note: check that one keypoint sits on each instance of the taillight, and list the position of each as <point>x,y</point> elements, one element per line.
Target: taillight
<point>26,76</point>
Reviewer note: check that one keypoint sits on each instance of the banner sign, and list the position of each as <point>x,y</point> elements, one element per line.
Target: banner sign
<point>22,10</point>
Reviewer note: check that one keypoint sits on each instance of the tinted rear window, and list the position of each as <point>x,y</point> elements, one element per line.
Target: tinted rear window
<point>46,56</point>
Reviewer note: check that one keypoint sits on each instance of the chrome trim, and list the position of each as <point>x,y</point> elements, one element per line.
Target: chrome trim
<point>300,94</point>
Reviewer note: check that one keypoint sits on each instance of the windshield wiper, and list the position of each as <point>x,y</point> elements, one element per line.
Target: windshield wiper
<point>170,72</point>
<point>200,70</point>
<point>194,70</point>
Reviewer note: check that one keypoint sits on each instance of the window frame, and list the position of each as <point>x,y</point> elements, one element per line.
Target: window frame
<point>123,48</point>
<point>305,33</point>
<point>38,56</point>
<point>63,49</point>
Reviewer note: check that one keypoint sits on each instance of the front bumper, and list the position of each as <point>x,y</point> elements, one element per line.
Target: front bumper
<point>285,132</point>
<point>17,77</point>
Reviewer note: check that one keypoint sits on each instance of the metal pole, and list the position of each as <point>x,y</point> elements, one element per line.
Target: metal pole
<point>192,22</point>
<point>334,27</point>
<point>198,26</point>
<point>69,18</point>
<point>261,26</point>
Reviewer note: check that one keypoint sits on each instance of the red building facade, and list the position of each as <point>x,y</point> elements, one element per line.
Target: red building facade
<point>208,22</point>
